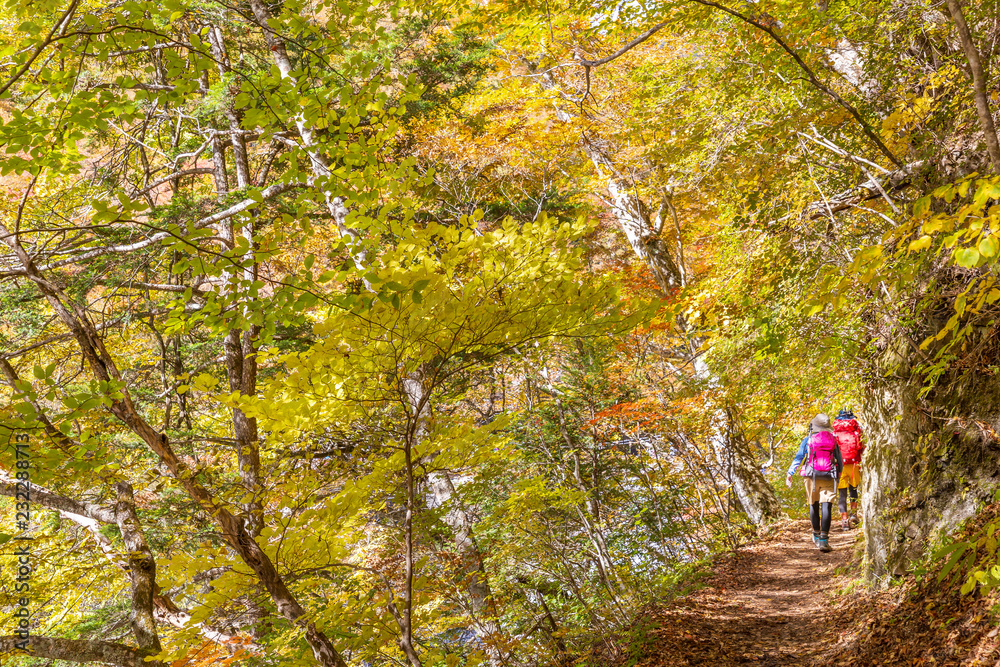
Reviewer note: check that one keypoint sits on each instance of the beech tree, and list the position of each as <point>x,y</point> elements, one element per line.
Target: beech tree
<point>351,334</point>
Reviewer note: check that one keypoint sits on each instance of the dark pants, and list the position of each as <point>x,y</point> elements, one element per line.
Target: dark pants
<point>842,497</point>
<point>819,515</point>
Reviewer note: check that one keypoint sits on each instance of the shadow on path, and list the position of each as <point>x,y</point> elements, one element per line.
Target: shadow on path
<point>765,605</point>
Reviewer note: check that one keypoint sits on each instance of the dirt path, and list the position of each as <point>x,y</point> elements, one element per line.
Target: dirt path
<point>766,605</point>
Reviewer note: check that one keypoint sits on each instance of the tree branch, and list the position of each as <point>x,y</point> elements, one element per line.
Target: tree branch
<point>235,209</point>
<point>813,79</point>
<point>184,172</point>
<point>625,49</point>
<point>51,37</point>
<point>83,651</point>
<point>978,84</point>
<point>60,503</point>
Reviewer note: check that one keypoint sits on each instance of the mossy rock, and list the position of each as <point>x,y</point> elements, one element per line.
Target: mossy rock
<point>931,462</point>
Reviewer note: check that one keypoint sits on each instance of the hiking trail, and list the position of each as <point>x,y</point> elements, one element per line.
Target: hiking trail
<point>769,603</point>
<point>775,602</point>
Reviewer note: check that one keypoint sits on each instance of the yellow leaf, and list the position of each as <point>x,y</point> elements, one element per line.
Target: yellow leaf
<point>923,243</point>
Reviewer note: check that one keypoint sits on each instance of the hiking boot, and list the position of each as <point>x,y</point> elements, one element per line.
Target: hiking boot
<point>823,545</point>
<point>816,539</point>
<point>845,525</point>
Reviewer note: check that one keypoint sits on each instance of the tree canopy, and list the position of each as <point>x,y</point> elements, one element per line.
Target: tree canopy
<point>351,333</point>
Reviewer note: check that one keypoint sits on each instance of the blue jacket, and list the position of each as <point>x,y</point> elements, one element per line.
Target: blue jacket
<point>804,449</point>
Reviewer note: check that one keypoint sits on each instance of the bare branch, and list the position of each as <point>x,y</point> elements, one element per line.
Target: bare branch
<point>625,49</point>
<point>166,179</point>
<point>235,209</point>
<point>813,79</point>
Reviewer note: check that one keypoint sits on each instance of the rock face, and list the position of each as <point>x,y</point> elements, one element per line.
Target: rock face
<point>931,462</point>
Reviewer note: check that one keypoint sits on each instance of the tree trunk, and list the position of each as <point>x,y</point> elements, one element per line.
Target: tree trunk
<point>980,93</point>
<point>458,519</point>
<point>752,489</point>
<point>240,353</point>
<point>643,232</point>
<point>103,367</point>
<point>406,627</point>
<point>641,229</point>
<point>141,572</point>
<point>732,453</point>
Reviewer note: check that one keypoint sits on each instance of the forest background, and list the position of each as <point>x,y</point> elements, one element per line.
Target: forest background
<point>351,333</point>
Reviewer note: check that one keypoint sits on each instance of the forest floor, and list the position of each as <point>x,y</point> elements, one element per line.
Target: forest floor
<point>781,602</point>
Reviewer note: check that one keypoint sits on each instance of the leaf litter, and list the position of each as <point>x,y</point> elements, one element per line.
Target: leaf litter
<point>780,602</point>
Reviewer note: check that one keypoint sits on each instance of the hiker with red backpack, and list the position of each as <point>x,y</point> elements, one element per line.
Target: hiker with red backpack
<point>848,433</point>
<point>821,462</point>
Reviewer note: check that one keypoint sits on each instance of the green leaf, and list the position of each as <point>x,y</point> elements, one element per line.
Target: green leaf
<point>921,207</point>
<point>987,191</point>
<point>959,549</point>
<point>967,257</point>
<point>988,247</point>
<point>949,548</point>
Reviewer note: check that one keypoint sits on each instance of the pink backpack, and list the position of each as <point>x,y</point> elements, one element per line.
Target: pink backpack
<point>819,461</point>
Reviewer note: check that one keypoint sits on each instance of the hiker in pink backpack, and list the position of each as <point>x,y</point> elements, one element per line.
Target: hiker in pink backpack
<point>821,462</point>
<point>848,433</point>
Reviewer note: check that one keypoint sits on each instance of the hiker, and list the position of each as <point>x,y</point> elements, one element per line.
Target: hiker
<point>848,433</point>
<point>821,466</point>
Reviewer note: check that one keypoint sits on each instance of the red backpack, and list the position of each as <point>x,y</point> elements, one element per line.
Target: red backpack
<point>848,434</point>
<point>820,462</point>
